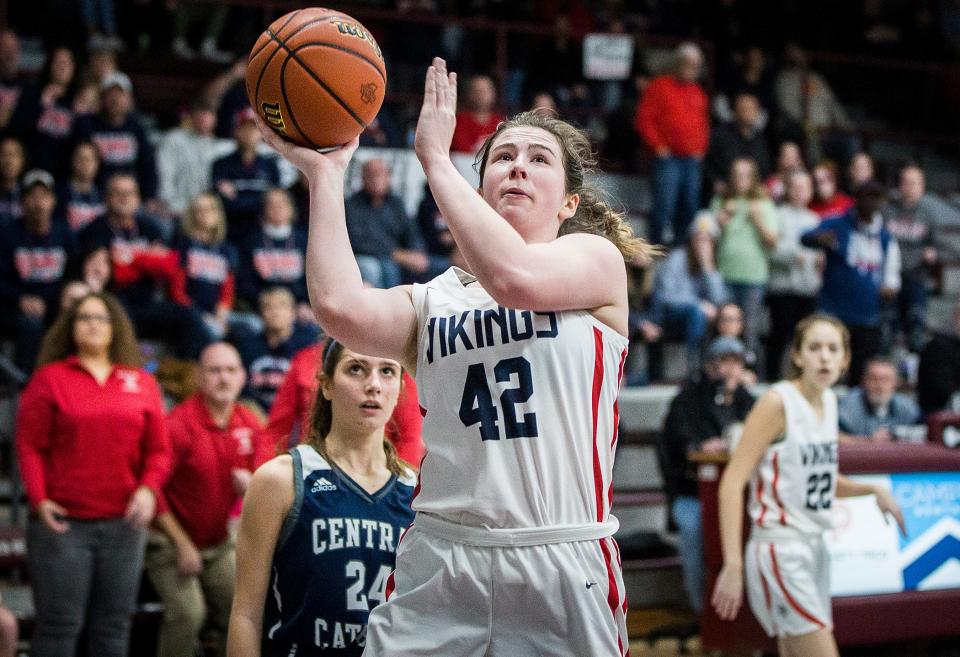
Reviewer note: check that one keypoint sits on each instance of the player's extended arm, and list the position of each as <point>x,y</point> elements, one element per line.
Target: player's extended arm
<point>265,506</point>
<point>849,488</point>
<point>764,423</point>
<point>574,272</point>
<point>370,321</point>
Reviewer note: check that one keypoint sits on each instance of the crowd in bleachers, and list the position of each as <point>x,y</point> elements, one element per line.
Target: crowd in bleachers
<point>765,206</point>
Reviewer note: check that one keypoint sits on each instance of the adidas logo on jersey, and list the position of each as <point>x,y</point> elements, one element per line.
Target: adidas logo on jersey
<point>321,485</point>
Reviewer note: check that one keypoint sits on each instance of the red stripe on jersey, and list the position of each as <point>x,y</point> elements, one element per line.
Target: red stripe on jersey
<point>763,507</point>
<point>616,422</point>
<point>597,385</point>
<point>416,489</point>
<point>776,495</point>
<point>766,587</point>
<point>793,603</point>
<point>613,594</point>
<point>391,585</point>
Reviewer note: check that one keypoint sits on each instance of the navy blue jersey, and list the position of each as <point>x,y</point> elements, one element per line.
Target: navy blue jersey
<point>334,555</point>
<point>251,180</point>
<point>209,268</point>
<point>267,366</point>
<point>267,262</point>
<point>124,148</point>
<point>34,264</point>
<point>124,243</point>
<point>79,208</point>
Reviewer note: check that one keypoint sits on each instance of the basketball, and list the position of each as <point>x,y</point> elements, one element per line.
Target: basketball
<point>317,77</point>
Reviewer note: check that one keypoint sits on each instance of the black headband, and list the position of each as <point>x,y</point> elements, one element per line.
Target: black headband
<point>327,350</point>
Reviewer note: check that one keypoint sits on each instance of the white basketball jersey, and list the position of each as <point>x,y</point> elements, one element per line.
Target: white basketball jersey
<point>794,483</point>
<point>520,409</point>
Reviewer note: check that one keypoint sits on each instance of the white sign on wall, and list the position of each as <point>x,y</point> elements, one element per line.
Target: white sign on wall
<point>607,56</point>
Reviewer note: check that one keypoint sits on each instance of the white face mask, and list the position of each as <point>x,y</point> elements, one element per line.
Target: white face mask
<point>275,232</point>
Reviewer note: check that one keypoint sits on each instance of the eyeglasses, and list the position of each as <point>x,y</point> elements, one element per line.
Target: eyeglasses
<point>90,317</point>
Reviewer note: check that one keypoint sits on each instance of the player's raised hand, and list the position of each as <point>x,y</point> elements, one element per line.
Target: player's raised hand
<point>728,592</point>
<point>438,115</point>
<point>307,160</point>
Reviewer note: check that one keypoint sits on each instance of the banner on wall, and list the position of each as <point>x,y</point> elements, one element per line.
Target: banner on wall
<point>868,554</point>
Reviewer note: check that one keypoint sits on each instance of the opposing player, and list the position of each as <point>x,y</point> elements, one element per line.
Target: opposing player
<point>789,453</point>
<point>320,525</point>
<point>518,366</point>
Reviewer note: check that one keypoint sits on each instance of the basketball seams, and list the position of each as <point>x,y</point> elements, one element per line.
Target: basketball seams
<point>286,100</point>
<point>292,15</point>
<point>334,46</point>
<point>263,70</point>
<point>291,55</point>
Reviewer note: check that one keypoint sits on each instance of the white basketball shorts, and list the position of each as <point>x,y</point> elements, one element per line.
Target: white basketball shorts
<point>451,599</point>
<point>788,585</point>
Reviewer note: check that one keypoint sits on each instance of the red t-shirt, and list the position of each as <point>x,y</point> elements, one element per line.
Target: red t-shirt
<point>290,412</point>
<point>674,114</point>
<point>200,491</point>
<point>469,134</point>
<point>88,446</point>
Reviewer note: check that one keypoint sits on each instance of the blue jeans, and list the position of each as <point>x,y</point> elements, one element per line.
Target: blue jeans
<point>383,273</point>
<point>676,197</point>
<point>750,299</point>
<point>686,321</point>
<point>99,16</point>
<point>686,513</point>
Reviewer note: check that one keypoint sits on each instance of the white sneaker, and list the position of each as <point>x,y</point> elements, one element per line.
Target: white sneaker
<point>182,50</point>
<point>210,52</point>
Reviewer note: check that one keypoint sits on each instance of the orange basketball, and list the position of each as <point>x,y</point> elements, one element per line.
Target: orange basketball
<point>317,77</point>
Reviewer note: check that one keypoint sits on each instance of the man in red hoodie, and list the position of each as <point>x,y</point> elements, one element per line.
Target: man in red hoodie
<point>191,560</point>
<point>674,121</point>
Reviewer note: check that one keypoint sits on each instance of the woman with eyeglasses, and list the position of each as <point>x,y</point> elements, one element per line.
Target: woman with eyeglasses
<point>93,453</point>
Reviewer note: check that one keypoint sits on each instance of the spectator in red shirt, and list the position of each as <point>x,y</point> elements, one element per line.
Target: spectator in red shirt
<point>480,119</point>
<point>191,559</point>
<point>290,413</point>
<point>673,120</point>
<point>828,202</point>
<point>94,454</point>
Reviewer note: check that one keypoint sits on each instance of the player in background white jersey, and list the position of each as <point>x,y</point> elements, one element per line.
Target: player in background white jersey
<point>789,453</point>
<point>538,240</point>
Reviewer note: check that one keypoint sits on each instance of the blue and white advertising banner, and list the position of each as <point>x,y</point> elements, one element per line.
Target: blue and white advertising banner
<point>870,556</point>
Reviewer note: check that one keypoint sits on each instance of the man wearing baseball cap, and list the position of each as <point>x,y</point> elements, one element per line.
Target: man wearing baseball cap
<point>705,409</point>
<point>34,254</point>
<point>119,135</point>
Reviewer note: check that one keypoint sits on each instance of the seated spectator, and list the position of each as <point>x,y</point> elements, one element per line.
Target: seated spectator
<point>94,454</point>
<point>753,75</point>
<point>119,135</point>
<point>386,242</point>
<point>273,255</point>
<point>794,270</point>
<point>53,114</point>
<point>687,288</point>
<point>862,267</point>
<point>828,201</point>
<point>938,377</point>
<point>190,555</point>
<point>12,161</point>
<point>267,354</point>
<point>209,262</point>
<point>730,324</point>
<point>875,410</point>
<point>130,237</point>
<point>80,199</point>
<point>185,156</point>
<point>35,252</point>
<point>860,170</point>
<point>789,158</point>
<point>479,118</point>
<point>14,117</point>
<point>747,223</point>
<point>289,418</point>
<point>437,238</point>
<point>742,138</point>
<point>242,178</point>
<point>382,131</point>
<point>700,418</point>
<point>915,227</point>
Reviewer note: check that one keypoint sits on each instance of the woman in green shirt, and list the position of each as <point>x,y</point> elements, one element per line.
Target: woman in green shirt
<point>747,223</point>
